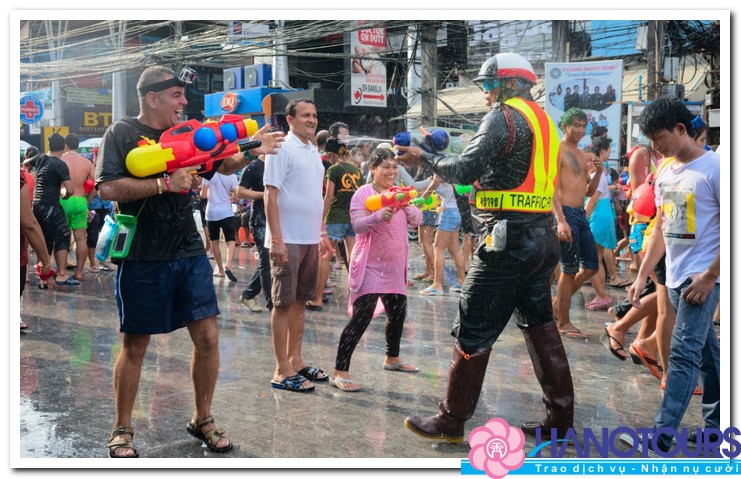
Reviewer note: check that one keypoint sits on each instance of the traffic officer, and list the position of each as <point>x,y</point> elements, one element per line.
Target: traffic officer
<point>512,163</point>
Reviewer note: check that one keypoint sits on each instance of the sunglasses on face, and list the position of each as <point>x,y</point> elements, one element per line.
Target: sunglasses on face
<point>490,84</point>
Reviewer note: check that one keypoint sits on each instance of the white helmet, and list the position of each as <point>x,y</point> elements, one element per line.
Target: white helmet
<point>507,65</point>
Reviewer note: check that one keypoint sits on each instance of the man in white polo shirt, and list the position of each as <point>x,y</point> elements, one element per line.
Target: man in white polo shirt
<point>293,210</point>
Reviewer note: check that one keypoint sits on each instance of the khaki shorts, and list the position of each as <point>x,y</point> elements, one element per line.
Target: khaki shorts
<point>296,280</point>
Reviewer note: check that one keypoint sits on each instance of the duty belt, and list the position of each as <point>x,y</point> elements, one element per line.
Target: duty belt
<point>517,229</point>
<point>492,200</point>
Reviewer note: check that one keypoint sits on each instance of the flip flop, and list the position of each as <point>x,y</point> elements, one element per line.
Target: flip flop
<point>573,333</point>
<point>696,392</point>
<point>336,383</point>
<point>650,363</point>
<point>292,383</point>
<point>312,307</point>
<point>312,374</point>
<point>620,285</point>
<point>606,340</point>
<point>400,367</point>
<point>230,275</point>
<point>70,281</point>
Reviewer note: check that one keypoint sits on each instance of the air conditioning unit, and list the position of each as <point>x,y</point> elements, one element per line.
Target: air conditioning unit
<point>258,75</point>
<point>672,90</point>
<point>233,79</point>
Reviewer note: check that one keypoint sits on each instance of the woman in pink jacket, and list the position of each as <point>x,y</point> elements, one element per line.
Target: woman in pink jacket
<point>378,270</point>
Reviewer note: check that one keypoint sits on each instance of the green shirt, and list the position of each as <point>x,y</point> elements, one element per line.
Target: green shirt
<point>347,178</point>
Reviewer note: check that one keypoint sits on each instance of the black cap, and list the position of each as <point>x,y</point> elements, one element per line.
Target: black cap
<point>334,145</point>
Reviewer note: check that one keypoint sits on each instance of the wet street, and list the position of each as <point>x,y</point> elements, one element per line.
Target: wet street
<point>67,356</point>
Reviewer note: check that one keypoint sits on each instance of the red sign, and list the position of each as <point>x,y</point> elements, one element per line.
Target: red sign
<point>373,36</point>
<point>229,102</point>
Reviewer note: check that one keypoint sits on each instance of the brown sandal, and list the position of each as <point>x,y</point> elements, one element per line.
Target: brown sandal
<point>209,438</point>
<point>114,444</point>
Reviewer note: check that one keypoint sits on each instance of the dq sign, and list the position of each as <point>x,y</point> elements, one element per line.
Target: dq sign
<point>32,110</point>
<point>229,102</point>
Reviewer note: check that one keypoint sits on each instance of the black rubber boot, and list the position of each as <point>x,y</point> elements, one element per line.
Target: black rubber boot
<point>465,377</point>
<point>552,370</point>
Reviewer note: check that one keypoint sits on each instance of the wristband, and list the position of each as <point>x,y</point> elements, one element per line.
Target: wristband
<point>44,276</point>
<point>323,233</point>
<point>276,240</point>
<point>159,186</point>
<point>167,184</point>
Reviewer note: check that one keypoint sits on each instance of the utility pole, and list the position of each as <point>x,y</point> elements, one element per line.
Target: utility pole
<point>56,38</point>
<point>560,40</point>
<point>655,45</point>
<point>413,74</point>
<point>428,41</point>
<point>280,58</point>
<point>117,29</point>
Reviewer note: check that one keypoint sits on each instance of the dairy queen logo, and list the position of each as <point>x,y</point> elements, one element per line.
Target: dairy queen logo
<point>229,102</point>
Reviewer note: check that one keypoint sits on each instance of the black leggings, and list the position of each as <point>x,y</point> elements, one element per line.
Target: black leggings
<point>362,313</point>
<point>24,269</point>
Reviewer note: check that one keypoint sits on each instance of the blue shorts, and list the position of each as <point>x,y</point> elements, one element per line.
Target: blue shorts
<point>450,220</point>
<point>636,237</point>
<point>429,218</point>
<point>155,297</point>
<point>338,231</point>
<point>582,251</point>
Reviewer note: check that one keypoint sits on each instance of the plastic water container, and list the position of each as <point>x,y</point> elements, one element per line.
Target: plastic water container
<point>105,238</point>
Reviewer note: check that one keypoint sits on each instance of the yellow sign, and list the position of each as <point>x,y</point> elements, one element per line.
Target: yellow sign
<point>512,201</point>
<point>47,131</point>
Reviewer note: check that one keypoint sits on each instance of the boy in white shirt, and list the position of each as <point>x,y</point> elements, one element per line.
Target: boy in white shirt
<point>688,230</point>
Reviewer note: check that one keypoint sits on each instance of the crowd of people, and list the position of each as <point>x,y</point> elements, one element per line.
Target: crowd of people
<point>535,203</point>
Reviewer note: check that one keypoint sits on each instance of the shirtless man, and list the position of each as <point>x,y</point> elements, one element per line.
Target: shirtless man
<point>577,243</point>
<point>75,207</point>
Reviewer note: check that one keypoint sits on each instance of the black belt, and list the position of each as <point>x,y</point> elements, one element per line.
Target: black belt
<point>517,229</point>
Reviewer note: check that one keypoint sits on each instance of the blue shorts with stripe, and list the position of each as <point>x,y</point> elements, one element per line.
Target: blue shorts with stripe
<point>155,297</point>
